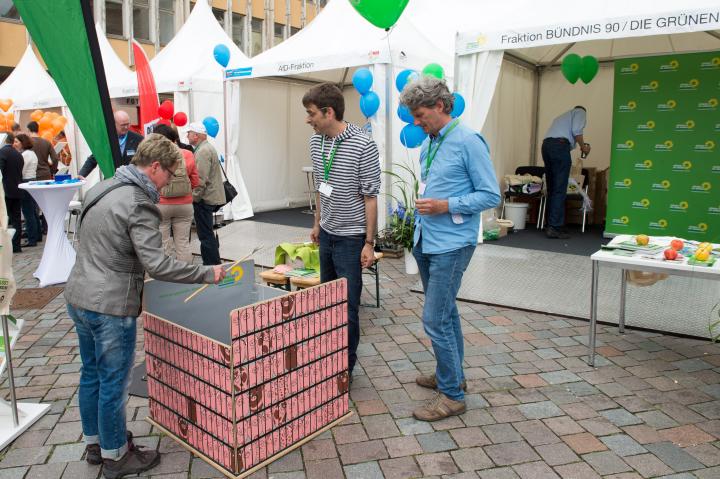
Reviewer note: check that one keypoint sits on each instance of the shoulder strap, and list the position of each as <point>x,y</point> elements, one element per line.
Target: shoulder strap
<point>99,197</point>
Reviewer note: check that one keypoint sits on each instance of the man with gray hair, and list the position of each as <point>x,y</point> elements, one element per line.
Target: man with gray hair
<point>457,183</point>
<point>119,241</point>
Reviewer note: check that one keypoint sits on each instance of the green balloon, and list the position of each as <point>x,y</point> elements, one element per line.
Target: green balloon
<point>381,13</point>
<point>571,67</point>
<point>590,67</point>
<point>434,70</point>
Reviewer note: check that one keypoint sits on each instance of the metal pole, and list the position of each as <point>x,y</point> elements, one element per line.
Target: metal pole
<point>11,377</point>
<point>623,296</point>
<point>593,312</point>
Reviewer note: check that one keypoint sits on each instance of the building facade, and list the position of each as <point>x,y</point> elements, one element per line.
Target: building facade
<point>253,25</point>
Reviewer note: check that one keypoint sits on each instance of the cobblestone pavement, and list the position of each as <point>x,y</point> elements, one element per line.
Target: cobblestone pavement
<point>651,407</point>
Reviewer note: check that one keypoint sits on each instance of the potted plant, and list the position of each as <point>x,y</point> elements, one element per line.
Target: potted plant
<point>401,217</point>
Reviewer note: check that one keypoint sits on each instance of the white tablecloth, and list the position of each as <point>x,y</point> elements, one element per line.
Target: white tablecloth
<point>58,256</point>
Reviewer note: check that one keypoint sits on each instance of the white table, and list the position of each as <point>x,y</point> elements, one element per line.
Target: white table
<point>58,255</point>
<point>607,258</point>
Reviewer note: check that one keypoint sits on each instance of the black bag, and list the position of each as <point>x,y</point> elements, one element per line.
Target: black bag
<point>228,188</point>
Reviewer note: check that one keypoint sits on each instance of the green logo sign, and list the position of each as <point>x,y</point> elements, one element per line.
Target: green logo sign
<point>681,207</point>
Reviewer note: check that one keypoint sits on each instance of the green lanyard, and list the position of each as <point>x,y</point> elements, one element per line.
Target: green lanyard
<point>431,153</point>
<point>328,161</point>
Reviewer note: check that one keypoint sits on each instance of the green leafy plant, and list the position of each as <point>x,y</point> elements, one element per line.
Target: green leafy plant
<point>401,216</point>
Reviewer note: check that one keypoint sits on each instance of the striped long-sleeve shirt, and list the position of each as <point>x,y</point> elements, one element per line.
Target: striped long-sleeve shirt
<point>355,173</point>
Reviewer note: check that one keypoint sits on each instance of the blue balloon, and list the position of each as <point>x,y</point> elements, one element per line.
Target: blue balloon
<point>402,79</point>
<point>404,114</point>
<point>369,103</point>
<point>412,136</point>
<point>459,106</point>
<point>211,125</point>
<point>362,80</point>
<point>222,54</point>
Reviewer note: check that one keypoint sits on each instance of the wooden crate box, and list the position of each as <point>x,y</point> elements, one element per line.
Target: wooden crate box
<point>243,385</point>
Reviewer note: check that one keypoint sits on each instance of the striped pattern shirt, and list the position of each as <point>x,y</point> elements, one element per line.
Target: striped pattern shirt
<point>355,173</point>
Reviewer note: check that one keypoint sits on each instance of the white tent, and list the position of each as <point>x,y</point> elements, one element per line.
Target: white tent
<point>29,85</point>
<point>266,91</point>
<point>186,67</point>
<point>507,65</point>
<point>121,81</point>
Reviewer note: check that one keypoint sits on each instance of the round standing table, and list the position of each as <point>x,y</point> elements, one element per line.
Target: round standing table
<point>58,255</point>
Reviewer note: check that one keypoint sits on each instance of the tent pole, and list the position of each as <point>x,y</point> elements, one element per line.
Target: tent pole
<point>535,116</point>
<point>388,138</point>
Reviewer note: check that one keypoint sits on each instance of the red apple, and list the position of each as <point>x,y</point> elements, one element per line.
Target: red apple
<point>677,244</point>
<point>670,254</point>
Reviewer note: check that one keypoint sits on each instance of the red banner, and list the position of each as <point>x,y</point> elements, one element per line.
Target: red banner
<point>146,87</point>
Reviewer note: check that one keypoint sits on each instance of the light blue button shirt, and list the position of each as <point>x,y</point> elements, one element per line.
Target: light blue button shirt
<point>462,173</point>
<point>568,125</point>
<point>122,139</point>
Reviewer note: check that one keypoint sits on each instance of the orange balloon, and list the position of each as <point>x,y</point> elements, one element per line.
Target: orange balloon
<point>3,124</point>
<point>53,115</point>
<point>48,135</point>
<point>10,117</point>
<point>45,122</point>
<point>5,104</point>
<point>36,115</point>
<point>57,125</point>
<point>63,120</point>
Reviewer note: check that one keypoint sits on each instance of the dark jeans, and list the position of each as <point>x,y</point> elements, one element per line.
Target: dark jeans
<point>107,350</point>
<point>340,258</point>
<point>441,275</point>
<point>209,246</point>
<point>32,219</point>
<point>556,156</point>
<point>13,207</point>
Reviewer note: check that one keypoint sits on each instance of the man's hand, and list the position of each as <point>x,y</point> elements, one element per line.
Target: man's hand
<point>367,257</point>
<point>81,177</point>
<point>315,234</point>
<point>431,206</point>
<point>219,271</point>
<point>585,148</point>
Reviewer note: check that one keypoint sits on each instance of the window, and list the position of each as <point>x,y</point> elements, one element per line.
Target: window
<point>238,30</point>
<point>293,31</point>
<point>8,10</point>
<point>141,20</point>
<point>220,16</point>
<point>114,17</point>
<point>167,21</point>
<point>279,34</point>
<point>256,36</point>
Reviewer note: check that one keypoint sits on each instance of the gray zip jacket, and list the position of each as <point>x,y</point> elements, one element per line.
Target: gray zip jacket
<point>120,240</point>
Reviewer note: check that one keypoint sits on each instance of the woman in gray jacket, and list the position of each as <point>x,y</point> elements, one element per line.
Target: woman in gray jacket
<point>119,241</point>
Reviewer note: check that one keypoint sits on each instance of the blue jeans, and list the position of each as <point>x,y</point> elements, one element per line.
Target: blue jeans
<point>32,220</point>
<point>107,350</point>
<point>209,246</point>
<point>556,156</point>
<point>441,275</point>
<point>340,258</point>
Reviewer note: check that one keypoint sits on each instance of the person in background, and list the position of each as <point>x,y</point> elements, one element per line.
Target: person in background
<point>11,166</point>
<point>47,158</point>
<point>457,183</point>
<point>16,128</point>
<point>176,202</point>
<point>564,133</point>
<point>209,194</point>
<point>65,155</point>
<point>346,168</point>
<point>29,207</point>
<point>127,139</point>
<point>119,241</point>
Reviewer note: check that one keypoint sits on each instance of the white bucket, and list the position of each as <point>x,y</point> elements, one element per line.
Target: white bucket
<point>516,212</point>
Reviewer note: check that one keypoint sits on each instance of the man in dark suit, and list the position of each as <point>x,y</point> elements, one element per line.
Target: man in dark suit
<point>11,165</point>
<point>129,142</point>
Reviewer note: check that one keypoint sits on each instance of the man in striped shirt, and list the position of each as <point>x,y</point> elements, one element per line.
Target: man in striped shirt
<point>346,168</point>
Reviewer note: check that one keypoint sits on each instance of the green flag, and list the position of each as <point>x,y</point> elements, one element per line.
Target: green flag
<point>64,33</point>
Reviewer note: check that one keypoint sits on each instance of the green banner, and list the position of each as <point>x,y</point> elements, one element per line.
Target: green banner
<point>665,163</point>
<point>64,33</point>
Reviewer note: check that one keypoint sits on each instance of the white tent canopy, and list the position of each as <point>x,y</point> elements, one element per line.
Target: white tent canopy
<point>121,81</point>
<point>29,85</point>
<point>186,67</point>
<point>267,91</point>
<point>514,101</point>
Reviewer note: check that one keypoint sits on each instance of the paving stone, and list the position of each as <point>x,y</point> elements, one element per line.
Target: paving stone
<point>45,471</point>
<point>25,456</point>
<point>606,462</point>
<point>365,470</point>
<point>621,417</point>
<point>202,470</point>
<point>471,459</point>
<point>67,453</point>
<point>499,433</point>
<point>657,419</point>
<point>403,446</point>
<point>648,465</point>
<point>560,377</point>
<point>410,426</point>
<point>623,445</point>
<point>323,469</point>
<point>436,464</point>
<point>364,452</point>
<point>319,449</point>
<point>584,443</point>
<point>540,410</point>
<point>400,468</point>
<point>13,472</point>
<point>563,425</point>
<point>498,473</point>
<point>536,433</point>
<point>685,436</point>
<point>380,426</point>
<point>535,470</point>
<point>677,459</point>
<point>556,454</point>
<point>81,470</point>
<point>578,470</point>
<point>511,453</point>
<point>436,442</point>
<point>710,473</point>
<point>708,454</point>
<point>170,463</point>
<point>349,434</point>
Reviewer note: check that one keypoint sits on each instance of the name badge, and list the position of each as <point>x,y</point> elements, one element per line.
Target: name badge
<point>325,189</point>
<point>130,152</point>
<point>421,188</point>
<point>457,219</point>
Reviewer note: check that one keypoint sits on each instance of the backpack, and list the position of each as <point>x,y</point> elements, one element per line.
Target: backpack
<point>179,184</point>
